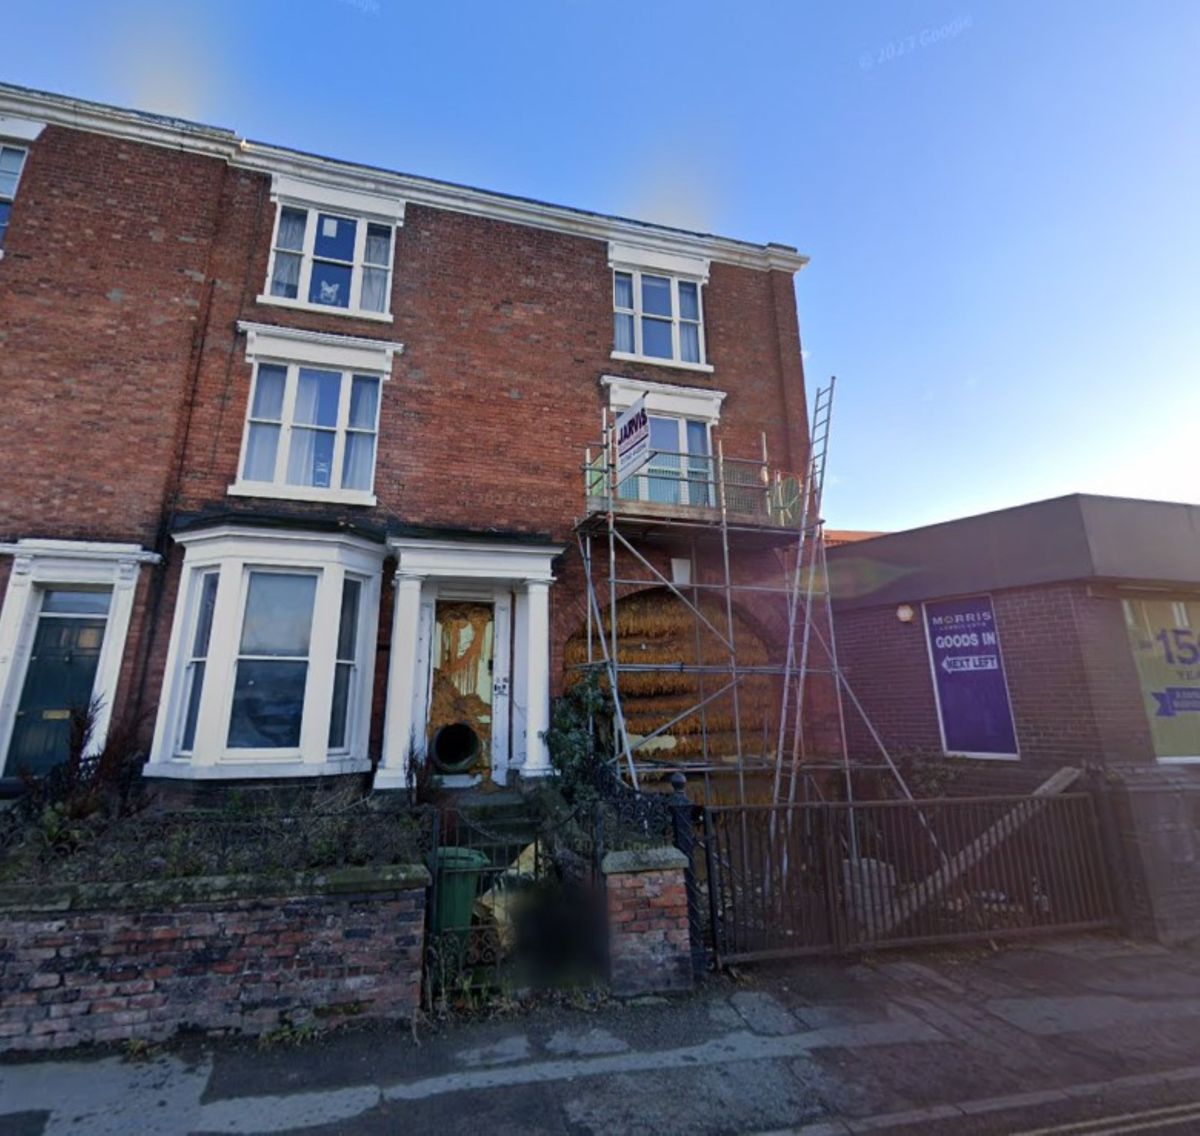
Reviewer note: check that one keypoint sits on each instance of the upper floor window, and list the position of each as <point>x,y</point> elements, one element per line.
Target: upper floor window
<point>312,418</point>
<point>658,306</point>
<point>657,317</point>
<point>332,249</point>
<point>311,428</point>
<point>331,261</point>
<point>12,161</point>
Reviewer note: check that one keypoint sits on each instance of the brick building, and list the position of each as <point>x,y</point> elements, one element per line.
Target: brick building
<point>1089,606</point>
<point>292,449</point>
<point>999,648</point>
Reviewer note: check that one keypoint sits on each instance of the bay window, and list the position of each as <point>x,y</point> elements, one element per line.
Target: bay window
<point>272,661</point>
<point>272,655</point>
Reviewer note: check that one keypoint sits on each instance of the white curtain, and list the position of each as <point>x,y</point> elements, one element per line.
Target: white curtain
<point>302,457</point>
<point>374,289</point>
<point>291,229</point>
<point>689,342</point>
<point>623,332</point>
<point>260,452</point>
<point>317,395</point>
<point>268,392</point>
<point>364,397</point>
<point>285,281</point>
<point>359,461</point>
<point>379,240</point>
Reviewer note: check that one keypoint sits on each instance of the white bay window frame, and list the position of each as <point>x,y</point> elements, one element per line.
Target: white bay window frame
<point>235,553</point>
<point>637,263</point>
<point>314,199</point>
<point>294,349</point>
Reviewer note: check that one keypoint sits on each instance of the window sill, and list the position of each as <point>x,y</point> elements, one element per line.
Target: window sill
<point>302,493</point>
<point>674,364</point>
<point>985,756</point>
<point>180,769</point>
<point>324,309</point>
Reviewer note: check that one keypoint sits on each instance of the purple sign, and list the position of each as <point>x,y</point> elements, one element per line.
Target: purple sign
<point>968,676</point>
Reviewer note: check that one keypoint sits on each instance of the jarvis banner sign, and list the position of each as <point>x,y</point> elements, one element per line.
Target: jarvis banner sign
<point>968,677</point>
<point>1166,649</point>
<point>633,439</point>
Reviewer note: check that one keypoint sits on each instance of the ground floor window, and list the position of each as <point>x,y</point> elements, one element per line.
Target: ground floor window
<point>271,656</point>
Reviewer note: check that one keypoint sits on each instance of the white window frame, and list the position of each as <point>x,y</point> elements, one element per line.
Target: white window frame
<point>234,552</point>
<point>17,134</point>
<point>638,262</point>
<point>6,198</point>
<point>362,208</point>
<point>663,400</point>
<point>293,349</point>
<point>39,565</point>
<point>645,474</point>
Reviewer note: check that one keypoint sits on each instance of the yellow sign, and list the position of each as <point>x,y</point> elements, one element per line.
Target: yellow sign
<point>1165,637</point>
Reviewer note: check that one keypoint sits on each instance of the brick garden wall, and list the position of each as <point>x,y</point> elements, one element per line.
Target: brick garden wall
<point>348,944</point>
<point>649,942</point>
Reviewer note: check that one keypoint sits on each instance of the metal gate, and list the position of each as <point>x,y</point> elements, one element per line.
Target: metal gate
<point>484,881</point>
<point>787,881</point>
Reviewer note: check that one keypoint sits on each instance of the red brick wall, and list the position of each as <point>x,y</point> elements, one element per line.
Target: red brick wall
<point>238,965</point>
<point>100,288</point>
<point>506,331</point>
<point>1071,679</point>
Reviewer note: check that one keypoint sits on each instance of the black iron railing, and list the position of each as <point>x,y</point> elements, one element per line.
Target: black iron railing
<point>813,879</point>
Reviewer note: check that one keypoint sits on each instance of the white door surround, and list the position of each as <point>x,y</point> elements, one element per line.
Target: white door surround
<point>40,564</point>
<point>516,578</point>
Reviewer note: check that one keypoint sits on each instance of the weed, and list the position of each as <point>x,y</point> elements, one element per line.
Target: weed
<point>290,1035</point>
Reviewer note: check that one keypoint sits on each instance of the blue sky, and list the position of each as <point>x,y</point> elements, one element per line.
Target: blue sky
<point>1001,201</point>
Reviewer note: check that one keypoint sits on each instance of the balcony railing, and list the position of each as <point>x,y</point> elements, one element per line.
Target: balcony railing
<point>696,487</point>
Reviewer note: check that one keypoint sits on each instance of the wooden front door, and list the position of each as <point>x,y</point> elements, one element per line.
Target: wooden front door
<point>461,696</point>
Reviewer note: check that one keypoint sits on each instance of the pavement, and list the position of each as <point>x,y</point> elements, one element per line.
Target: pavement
<point>1084,1037</point>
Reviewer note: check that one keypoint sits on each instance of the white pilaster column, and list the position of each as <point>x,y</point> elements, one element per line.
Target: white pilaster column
<point>537,715</point>
<point>398,723</point>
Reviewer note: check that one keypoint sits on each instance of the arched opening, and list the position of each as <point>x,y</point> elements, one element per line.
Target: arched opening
<point>658,631</point>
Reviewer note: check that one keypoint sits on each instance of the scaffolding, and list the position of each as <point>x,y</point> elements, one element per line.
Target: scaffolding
<point>738,512</point>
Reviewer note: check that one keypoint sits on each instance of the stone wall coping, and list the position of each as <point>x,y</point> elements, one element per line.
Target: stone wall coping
<point>642,860</point>
<point>143,894</point>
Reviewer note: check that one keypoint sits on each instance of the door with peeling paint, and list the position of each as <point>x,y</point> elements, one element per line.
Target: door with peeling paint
<point>461,718</point>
